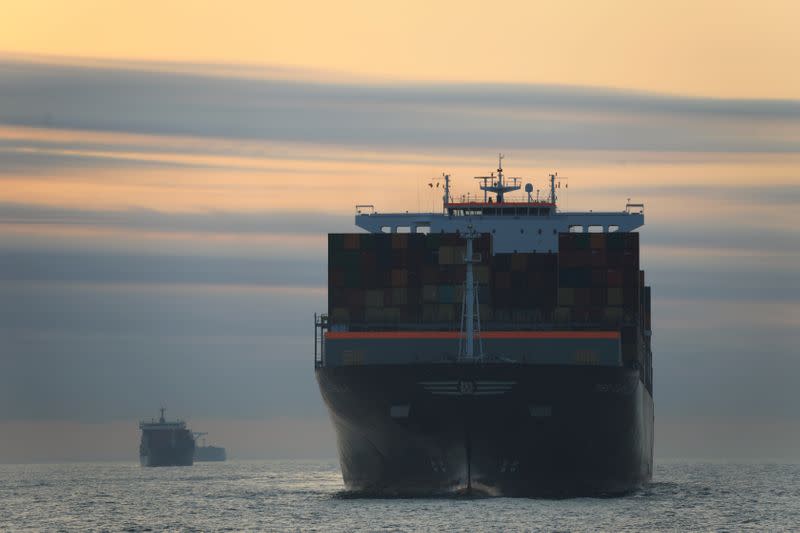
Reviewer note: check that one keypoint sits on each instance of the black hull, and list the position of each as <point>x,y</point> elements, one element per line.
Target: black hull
<point>500,429</point>
<point>209,454</point>
<point>168,457</point>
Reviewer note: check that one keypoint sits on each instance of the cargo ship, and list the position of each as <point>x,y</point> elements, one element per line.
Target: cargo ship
<point>165,443</point>
<point>500,346</point>
<point>206,452</point>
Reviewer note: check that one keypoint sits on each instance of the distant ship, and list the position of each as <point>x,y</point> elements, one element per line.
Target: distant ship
<point>501,346</point>
<point>165,443</point>
<point>207,452</point>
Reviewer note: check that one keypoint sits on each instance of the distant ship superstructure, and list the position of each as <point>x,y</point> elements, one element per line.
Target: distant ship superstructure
<point>500,345</point>
<point>165,443</point>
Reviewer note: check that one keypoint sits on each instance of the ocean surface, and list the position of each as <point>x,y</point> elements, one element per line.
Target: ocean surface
<point>309,496</point>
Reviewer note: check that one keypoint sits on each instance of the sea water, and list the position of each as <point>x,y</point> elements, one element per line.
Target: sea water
<point>310,496</point>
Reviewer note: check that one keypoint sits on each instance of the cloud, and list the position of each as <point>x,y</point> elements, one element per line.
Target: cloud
<point>23,266</point>
<point>429,116</point>
<point>216,222</point>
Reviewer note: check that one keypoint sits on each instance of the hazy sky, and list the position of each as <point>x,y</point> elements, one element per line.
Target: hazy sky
<point>168,172</point>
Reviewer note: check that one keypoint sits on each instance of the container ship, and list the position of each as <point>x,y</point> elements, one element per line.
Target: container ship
<point>500,346</point>
<point>165,443</point>
<point>206,452</point>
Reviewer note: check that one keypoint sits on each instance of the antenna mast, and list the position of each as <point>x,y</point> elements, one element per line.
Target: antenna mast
<point>498,187</point>
<point>446,197</point>
<point>470,318</point>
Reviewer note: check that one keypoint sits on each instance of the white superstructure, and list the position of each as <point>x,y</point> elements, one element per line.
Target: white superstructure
<point>526,226</point>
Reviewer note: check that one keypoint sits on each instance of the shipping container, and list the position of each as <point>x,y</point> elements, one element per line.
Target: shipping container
<point>566,296</point>
<point>386,278</point>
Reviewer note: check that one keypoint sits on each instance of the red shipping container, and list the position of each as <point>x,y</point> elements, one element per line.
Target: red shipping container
<point>352,241</point>
<point>368,261</point>
<point>614,277</point>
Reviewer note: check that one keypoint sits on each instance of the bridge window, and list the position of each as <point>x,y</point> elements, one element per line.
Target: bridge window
<point>386,229</point>
<point>595,229</point>
<point>576,229</point>
<point>424,229</point>
<point>403,229</point>
<point>612,229</point>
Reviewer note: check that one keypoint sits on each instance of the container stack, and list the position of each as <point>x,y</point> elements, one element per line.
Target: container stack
<point>598,278</point>
<point>389,281</point>
<point>385,280</point>
<point>523,288</point>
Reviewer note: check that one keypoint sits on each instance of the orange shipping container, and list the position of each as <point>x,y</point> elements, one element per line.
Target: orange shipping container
<point>614,277</point>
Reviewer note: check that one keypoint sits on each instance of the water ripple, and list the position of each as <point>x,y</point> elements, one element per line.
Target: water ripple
<point>309,496</point>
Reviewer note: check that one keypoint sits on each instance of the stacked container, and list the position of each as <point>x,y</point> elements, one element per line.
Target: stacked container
<point>598,278</point>
<point>391,281</point>
<point>383,281</point>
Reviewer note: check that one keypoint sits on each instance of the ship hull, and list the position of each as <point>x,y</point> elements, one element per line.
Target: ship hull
<point>166,448</point>
<point>496,428</point>
<point>168,457</point>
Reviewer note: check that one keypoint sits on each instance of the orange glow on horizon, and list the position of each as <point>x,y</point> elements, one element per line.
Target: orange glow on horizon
<point>718,48</point>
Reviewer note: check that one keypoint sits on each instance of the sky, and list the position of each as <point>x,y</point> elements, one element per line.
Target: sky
<point>169,171</point>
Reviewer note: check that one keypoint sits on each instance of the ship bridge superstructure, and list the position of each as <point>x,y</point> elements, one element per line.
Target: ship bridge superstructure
<point>525,225</point>
<point>161,424</point>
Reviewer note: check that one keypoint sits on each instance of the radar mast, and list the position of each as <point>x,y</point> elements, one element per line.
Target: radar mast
<point>498,187</point>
